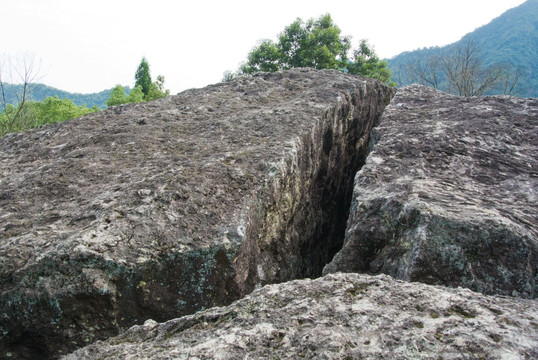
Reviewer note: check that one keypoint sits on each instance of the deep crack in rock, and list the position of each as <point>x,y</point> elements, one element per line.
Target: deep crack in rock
<point>448,194</point>
<point>161,209</point>
<point>304,209</point>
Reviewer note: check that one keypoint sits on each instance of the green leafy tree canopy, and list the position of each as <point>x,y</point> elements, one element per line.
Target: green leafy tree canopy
<point>119,96</point>
<point>367,63</point>
<point>157,90</point>
<point>142,91</point>
<point>142,76</point>
<point>54,109</point>
<point>33,114</point>
<point>319,44</point>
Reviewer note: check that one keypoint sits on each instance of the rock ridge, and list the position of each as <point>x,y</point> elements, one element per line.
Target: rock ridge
<point>161,209</point>
<point>150,212</point>
<point>448,194</point>
<point>340,316</point>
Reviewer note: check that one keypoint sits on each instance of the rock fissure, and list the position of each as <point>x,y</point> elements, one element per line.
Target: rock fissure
<point>435,202</point>
<point>448,194</point>
<point>155,211</point>
<point>299,220</point>
<point>218,191</point>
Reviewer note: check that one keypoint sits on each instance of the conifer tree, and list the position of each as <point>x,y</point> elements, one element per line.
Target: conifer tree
<point>142,77</point>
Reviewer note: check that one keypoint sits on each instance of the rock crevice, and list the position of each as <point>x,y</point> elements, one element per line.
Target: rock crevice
<point>161,209</point>
<point>448,194</point>
<point>298,221</point>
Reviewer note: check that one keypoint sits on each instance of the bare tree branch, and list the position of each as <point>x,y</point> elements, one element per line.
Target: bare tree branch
<point>467,75</point>
<point>510,78</point>
<point>461,71</point>
<point>425,70</point>
<point>25,75</point>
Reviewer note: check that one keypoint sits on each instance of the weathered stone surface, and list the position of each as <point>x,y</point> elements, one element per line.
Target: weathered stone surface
<point>448,194</point>
<point>160,209</point>
<point>340,316</point>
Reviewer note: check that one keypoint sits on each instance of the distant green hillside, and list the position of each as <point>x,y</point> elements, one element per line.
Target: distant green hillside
<point>39,92</point>
<point>511,38</point>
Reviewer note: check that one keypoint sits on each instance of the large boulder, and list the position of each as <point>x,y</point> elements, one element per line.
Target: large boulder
<point>340,316</point>
<point>161,209</point>
<point>448,194</point>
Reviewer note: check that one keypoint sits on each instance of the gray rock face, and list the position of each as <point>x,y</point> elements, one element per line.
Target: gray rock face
<point>340,316</point>
<point>448,194</point>
<point>160,209</point>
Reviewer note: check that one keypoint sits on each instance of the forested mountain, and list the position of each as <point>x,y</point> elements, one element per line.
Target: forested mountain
<point>511,38</point>
<point>39,92</point>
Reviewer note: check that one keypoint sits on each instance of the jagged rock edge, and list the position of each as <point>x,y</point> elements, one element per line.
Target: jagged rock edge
<point>133,282</point>
<point>263,260</point>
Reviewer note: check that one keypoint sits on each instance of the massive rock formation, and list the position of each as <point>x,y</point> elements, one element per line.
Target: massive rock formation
<point>160,209</point>
<point>340,316</point>
<point>448,194</point>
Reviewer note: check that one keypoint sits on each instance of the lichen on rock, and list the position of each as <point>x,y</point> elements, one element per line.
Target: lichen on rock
<point>157,210</point>
<point>340,316</point>
<point>162,214</point>
<point>448,194</point>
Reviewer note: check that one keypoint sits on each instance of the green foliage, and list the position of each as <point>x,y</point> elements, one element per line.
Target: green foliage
<point>366,63</point>
<point>117,96</point>
<point>266,57</point>
<point>157,90</point>
<point>16,119</point>
<point>54,109</point>
<point>136,95</point>
<point>318,44</point>
<point>321,46</point>
<point>142,77</point>
<point>34,114</point>
<point>39,92</point>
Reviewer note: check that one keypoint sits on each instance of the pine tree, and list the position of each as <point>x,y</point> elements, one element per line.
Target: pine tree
<point>142,77</point>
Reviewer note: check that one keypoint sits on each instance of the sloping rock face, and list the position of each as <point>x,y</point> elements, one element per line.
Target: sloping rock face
<point>448,194</point>
<point>160,209</point>
<point>340,316</point>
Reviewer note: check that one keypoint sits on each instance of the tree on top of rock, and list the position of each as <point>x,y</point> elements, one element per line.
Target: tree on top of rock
<point>144,89</point>
<point>142,77</point>
<point>318,44</point>
<point>366,63</point>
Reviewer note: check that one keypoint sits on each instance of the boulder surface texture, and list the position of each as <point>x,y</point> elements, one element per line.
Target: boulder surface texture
<point>448,194</point>
<point>160,209</point>
<point>340,316</point>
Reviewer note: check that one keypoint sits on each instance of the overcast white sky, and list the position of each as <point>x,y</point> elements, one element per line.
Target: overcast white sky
<point>88,46</point>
